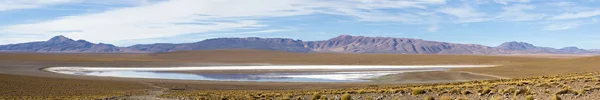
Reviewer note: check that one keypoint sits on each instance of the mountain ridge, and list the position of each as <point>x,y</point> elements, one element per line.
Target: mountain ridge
<point>339,44</point>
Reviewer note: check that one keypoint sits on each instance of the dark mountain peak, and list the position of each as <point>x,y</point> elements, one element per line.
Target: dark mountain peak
<point>60,38</point>
<point>514,45</point>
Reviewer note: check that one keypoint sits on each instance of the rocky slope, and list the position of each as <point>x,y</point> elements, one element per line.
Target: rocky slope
<point>361,44</point>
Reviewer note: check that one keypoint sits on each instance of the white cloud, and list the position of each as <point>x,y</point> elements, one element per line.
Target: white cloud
<point>563,26</point>
<point>584,14</point>
<point>177,17</point>
<point>465,14</point>
<point>368,10</point>
<point>433,28</point>
<point>517,13</point>
<point>6,5</point>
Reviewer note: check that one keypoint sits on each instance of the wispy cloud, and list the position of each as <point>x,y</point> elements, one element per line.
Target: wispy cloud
<point>115,21</point>
<point>517,13</point>
<point>563,26</point>
<point>171,18</point>
<point>584,14</point>
<point>168,18</point>
<point>465,14</point>
<point>433,28</point>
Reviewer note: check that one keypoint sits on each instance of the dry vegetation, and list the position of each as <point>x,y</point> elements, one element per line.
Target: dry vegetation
<point>15,87</point>
<point>565,86</point>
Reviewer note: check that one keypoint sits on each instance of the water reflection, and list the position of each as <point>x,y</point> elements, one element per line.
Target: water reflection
<point>347,76</point>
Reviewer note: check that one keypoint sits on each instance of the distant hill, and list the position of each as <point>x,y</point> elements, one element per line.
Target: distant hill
<point>63,44</point>
<point>340,44</point>
<point>281,44</point>
<point>522,47</point>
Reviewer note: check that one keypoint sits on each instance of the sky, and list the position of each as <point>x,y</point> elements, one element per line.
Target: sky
<point>549,23</point>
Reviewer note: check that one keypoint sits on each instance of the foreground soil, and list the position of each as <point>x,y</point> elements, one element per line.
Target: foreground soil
<point>579,86</point>
<point>27,87</point>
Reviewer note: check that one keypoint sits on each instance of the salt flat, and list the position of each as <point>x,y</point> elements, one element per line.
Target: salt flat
<point>311,73</point>
<point>267,67</point>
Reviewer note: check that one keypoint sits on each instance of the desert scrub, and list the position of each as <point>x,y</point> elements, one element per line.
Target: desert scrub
<point>529,97</point>
<point>346,97</point>
<point>417,91</point>
<point>455,91</point>
<point>465,92</point>
<point>546,85</point>
<point>509,90</point>
<point>519,92</point>
<point>556,97</point>
<point>566,91</point>
<point>581,92</point>
<point>428,98</point>
<point>462,98</point>
<point>369,98</point>
<point>361,91</point>
<point>316,96</point>
<point>446,98</point>
<point>496,98</point>
<point>324,97</point>
<point>485,91</point>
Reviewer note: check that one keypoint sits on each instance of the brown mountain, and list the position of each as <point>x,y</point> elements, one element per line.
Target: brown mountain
<point>362,44</point>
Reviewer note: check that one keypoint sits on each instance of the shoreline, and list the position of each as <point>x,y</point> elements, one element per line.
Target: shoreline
<point>308,73</point>
<point>268,67</point>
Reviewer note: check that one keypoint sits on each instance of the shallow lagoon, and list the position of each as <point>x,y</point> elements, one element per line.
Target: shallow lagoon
<point>339,73</point>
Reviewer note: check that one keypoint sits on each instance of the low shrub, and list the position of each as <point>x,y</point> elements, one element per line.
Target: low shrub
<point>417,91</point>
<point>445,98</point>
<point>316,96</point>
<point>346,97</point>
<point>529,97</point>
<point>324,97</point>
<point>465,92</point>
<point>496,98</point>
<point>556,97</point>
<point>429,98</point>
<point>566,91</point>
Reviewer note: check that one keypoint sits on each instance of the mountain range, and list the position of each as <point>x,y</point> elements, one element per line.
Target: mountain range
<point>340,44</point>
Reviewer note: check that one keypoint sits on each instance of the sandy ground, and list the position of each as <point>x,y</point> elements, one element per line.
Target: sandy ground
<point>33,69</point>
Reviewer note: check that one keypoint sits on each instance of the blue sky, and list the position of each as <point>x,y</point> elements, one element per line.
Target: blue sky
<point>550,23</point>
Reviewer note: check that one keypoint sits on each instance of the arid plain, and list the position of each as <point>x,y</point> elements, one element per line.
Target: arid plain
<point>23,77</point>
